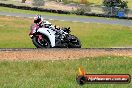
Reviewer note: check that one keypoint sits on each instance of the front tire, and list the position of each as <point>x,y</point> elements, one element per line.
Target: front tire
<point>44,43</point>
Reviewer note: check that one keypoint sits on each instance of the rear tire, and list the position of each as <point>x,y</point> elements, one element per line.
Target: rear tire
<point>44,43</point>
<point>74,44</point>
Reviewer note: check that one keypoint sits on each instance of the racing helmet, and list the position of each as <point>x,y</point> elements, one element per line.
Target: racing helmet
<point>38,19</point>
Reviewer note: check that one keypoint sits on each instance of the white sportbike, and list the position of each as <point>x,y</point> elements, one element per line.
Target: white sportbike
<point>49,38</point>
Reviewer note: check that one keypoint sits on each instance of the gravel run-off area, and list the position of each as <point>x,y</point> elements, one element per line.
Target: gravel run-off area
<point>60,54</point>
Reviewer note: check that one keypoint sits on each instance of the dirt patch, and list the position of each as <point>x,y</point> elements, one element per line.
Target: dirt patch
<point>60,54</point>
<point>55,5</point>
<point>59,6</point>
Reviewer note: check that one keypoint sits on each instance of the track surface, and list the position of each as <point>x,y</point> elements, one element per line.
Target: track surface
<point>61,54</point>
<point>75,19</point>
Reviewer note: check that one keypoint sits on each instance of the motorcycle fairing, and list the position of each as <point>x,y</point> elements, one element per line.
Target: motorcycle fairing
<point>49,33</point>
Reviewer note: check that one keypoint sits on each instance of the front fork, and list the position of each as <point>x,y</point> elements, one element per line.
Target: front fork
<point>40,37</point>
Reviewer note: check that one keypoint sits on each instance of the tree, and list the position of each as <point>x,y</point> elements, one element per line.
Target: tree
<point>114,6</point>
<point>115,3</point>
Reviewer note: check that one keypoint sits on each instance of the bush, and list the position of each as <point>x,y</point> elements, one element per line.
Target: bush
<point>111,5</point>
<point>115,3</point>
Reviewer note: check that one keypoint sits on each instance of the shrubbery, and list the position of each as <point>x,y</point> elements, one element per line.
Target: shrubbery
<point>114,6</point>
<point>115,3</point>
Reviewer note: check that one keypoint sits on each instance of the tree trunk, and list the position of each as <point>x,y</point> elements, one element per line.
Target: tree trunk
<point>23,1</point>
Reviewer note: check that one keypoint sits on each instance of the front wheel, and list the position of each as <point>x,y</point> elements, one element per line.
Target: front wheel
<point>41,43</point>
<point>74,42</point>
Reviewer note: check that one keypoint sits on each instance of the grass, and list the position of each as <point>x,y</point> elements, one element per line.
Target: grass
<point>100,35</point>
<point>61,74</point>
<point>14,33</point>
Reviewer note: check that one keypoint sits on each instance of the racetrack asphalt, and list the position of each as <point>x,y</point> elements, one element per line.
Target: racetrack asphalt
<point>74,19</point>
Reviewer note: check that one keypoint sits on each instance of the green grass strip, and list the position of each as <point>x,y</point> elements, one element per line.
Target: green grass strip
<point>61,74</point>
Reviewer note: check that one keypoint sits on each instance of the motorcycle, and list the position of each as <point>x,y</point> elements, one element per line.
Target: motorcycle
<point>49,38</point>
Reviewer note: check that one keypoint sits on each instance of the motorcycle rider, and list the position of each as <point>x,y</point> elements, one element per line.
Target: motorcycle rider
<point>40,22</point>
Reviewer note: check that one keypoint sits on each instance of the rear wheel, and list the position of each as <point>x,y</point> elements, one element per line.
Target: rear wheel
<point>74,42</point>
<point>41,43</point>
